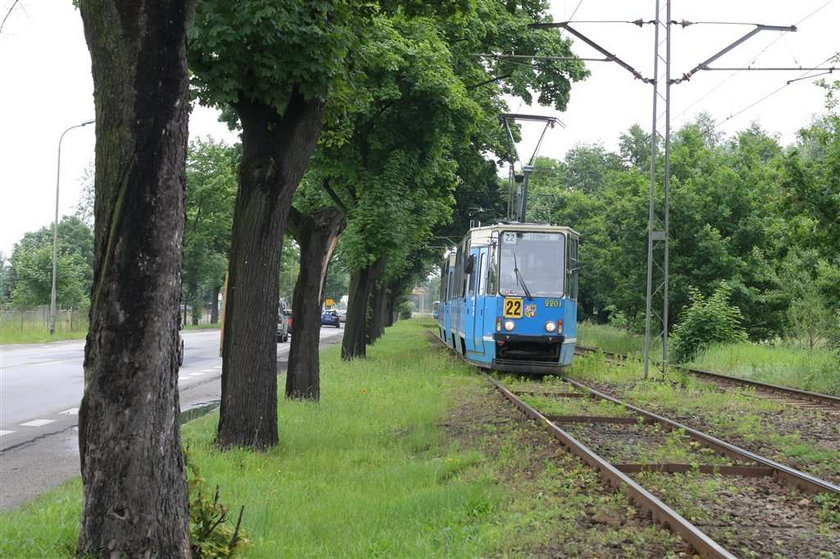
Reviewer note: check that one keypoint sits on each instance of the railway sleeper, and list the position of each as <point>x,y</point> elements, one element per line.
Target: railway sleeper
<point>735,470</point>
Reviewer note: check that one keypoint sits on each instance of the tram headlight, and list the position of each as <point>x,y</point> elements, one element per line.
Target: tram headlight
<point>550,326</point>
<point>560,326</point>
<point>509,324</point>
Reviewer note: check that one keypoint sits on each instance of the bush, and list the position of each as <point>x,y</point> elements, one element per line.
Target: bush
<point>706,322</point>
<point>211,535</point>
<point>405,309</point>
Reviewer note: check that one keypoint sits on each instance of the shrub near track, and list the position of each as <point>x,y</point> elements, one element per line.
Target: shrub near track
<point>408,454</point>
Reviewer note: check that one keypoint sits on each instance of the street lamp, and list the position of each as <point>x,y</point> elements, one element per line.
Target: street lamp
<point>55,224</point>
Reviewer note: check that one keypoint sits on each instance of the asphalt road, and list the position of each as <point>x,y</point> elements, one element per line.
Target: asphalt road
<point>41,386</point>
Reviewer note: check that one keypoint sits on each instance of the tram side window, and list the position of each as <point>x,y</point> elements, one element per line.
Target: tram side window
<point>459,273</point>
<point>492,280</point>
<point>464,276</point>
<point>481,274</point>
<point>473,272</point>
<point>573,268</point>
<point>444,272</point>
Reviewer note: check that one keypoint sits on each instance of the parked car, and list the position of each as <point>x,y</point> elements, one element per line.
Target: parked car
<point>330,318</point>
<point>287,314</point>
<point>342,315</point>
<point>284,325</point>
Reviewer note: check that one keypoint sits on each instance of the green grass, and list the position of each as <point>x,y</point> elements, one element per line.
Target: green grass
<point>733,413</point>
<point>203,326</point>
<point>361,474</point>
<point>31,333</point>
<point>784,364</point>
<point>817,370</point>
<point>391,463</point>
<point>37,332</point>
<point>610,338</point>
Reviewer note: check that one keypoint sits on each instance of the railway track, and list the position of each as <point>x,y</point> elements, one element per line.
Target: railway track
<point>787,395</point>
<point>627,422</point>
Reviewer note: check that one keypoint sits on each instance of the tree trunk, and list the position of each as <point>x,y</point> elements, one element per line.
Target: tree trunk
<point>393,296</point>
<point>354,343</point>
<point>317,235</point>
<point>374,300</point>
<point>378,310</point>
<point>132,465</point>
<point>275,154</point>
<point>214,305</point>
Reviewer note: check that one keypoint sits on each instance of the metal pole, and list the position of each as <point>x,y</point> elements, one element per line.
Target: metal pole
<point>523,206</point>
<point>53,308</point>
<point>667,186</point>
<point>652,201</point>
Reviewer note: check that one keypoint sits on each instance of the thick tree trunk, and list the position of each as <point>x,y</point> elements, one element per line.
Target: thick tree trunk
<point>275,154</point>
<point>393,296</point>
<point>317,235</point>
<point>132,464</point>
<point>353,343</point>
<point>356,332</point>
<point>377,270</point>
<point>378,310</point>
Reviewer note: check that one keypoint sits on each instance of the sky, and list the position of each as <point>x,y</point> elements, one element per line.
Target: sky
<point>46,87</point>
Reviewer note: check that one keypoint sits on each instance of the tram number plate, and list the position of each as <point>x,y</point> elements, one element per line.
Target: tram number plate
<point>513,307</point>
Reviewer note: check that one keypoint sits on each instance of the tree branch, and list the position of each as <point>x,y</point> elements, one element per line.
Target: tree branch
<point>491,80</point>
<point>332,193</point>
<point>295,222</point>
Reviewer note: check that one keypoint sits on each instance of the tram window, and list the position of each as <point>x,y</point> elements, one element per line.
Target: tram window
<point>492,280</point>
<point>481,274</point>
<point>573,268</point>
<point>444,277</point>
<point>463,278</point>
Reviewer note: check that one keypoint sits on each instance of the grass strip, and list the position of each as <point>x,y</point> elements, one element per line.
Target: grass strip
<point>785,364</point>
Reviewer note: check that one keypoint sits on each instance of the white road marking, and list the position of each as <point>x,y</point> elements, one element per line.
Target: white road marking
<point>5,433</point>
<point>38,363</point>
<point>71,411</point>
<point>37,423</point>
<point>213,370</point>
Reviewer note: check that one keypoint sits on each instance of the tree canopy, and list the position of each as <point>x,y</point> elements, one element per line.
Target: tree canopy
<point>744,210</point>
<point>30,277</point>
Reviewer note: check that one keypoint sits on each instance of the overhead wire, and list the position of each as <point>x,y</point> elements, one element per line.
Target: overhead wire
<point>9,12</point>
<point>775,91</point>
<point>753,59</point>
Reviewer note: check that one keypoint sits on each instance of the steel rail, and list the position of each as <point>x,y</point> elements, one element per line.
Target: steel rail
<point>803,480</point>
<point>817,397</point>
<point>661,512</point>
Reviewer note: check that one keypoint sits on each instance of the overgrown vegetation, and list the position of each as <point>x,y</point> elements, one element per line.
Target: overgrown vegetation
<point>734,415</point>
<point>391,462</point>
<point>212,532</point>
<point>707,322</point>
<point>784,363</point>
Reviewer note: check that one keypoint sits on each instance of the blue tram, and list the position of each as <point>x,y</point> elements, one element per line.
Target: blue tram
<point>508,297</point>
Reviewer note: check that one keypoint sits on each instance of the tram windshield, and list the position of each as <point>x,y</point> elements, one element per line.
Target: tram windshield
<point>532,263</point>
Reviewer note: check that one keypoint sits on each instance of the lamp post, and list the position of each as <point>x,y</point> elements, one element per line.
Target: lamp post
<point>55,224</point>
